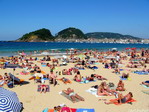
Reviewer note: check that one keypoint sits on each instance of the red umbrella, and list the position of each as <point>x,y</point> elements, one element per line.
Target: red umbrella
<point>133,48</point>
<point>127,48</point>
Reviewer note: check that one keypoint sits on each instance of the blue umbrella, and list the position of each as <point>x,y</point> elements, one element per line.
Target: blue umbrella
<point>9,101</point>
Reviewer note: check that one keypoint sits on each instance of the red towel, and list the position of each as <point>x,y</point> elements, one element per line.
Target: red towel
<point>132,100</point>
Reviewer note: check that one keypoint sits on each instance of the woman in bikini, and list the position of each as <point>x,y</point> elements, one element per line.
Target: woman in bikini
<point>121,99</point>
<point>120,86</point>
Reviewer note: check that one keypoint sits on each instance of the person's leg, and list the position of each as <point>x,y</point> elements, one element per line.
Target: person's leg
<point>41,89</point>
<point>79,97</point>
<point>44,89</point>
<point>73,98</point>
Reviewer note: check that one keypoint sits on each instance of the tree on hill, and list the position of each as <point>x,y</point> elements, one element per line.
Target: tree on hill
<point>71,33</point>
<point>38,35</point>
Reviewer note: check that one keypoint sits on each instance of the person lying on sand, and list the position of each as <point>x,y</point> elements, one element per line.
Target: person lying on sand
<point>121,98</point>
<point>146,83</point>
<point>125,75</point>
<point>99,77</point>
<point>120,86</point>
<point>73,95</point>
<point>65,80</point>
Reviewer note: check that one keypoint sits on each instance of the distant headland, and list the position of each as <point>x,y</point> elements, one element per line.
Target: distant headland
<point>76,35</point>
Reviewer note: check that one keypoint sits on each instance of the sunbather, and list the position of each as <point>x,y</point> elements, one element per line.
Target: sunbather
<point>125,75</point>
<point>78,77</point>
<point>99,77</point>
<point>102,90</point>
<point>43,88</point>
<point>65,80</point>
<point>146,83</point>
<point>73,95</point>
<point>120,86</point>
<point>121,99</point>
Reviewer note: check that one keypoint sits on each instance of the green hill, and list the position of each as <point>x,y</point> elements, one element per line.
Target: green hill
<point>37,36</point>
<point>109,35</point>
<point>71,33</point>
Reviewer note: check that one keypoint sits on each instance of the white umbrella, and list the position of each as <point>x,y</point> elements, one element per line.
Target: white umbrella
<point>93,59</point>
<point>45,53</point>
<point>64,56</point>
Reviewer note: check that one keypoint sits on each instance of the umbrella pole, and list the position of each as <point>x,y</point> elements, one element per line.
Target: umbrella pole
<point>13,76</point>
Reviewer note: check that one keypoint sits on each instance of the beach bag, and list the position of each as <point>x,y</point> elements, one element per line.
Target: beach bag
<point>111,84</point>
<point>10,84</point>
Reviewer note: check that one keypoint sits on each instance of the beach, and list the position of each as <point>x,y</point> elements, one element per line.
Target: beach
<point>34,101</point>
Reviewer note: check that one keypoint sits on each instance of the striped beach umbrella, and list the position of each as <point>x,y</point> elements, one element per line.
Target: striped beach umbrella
<point>9,101</point>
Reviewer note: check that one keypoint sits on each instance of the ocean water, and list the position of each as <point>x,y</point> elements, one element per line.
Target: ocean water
<point>12,48</point>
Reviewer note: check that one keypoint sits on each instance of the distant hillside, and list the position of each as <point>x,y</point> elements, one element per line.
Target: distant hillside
<point>37,36</point>
<point>71,33</point>
<point>103,35</point>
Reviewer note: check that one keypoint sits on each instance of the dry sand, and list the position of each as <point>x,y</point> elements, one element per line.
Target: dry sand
<point>34,101</point>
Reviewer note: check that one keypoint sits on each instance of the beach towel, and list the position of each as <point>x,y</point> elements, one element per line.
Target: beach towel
<point>86,81</point>
<point>46,110</point>
<point>116,103</point>
<point>47,88</point>
<point>85,110</point>
<point>73,109</point>
<point>67,96</point>
<point>22,73</point>
<point>144,86</point>
<point>141,72</point>
<point>146,92</point>
<point>44,65</point>
<point>93,91</point>
<point>121,69</point>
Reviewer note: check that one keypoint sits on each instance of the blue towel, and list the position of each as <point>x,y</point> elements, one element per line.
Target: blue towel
<point>85,110</point>
<point>141,73</point>
<point>123,78</point>
<point>43,65</point>
<point>45,110</point>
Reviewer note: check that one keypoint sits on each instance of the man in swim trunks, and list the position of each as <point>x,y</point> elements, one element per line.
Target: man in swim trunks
<point>73,95</point>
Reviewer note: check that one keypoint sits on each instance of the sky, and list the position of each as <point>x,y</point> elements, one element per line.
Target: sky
<point>18,17</point>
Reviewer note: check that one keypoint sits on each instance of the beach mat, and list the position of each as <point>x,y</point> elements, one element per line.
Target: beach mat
<point>67,96</point>
<point>85,82</point>
<point>130,101</point>
<point>146,92</point>
<point>44,65</point>
<point>141,73</point>
<point>85,110</point>
<point>93,91</point>
<point>145,86</point>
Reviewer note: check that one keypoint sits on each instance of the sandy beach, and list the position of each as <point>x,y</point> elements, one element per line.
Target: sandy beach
<point>34,101</point>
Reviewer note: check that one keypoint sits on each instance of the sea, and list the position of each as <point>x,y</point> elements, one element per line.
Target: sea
<point>12,48</point>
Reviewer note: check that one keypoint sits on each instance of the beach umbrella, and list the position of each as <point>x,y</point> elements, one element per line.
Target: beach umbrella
<point>45,53</point>
<point>110,57</point>
<point>133,48</point>
<point>93,59</point>
<point>23,54</point>
<point>127,48</point>
<point>9,101</point>
<point>57,57</point>
<point>64,56</point>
